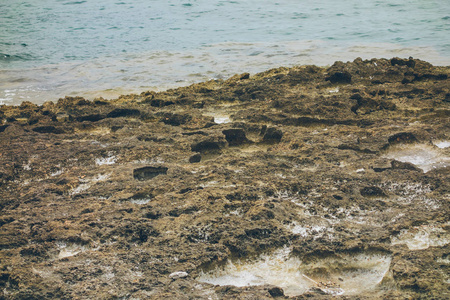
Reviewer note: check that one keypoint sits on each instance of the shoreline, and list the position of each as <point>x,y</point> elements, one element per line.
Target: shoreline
<point>113,76</point>
<point>299,182</point>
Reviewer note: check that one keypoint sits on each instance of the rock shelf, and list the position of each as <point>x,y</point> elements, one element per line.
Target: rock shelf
<point>337,175</point>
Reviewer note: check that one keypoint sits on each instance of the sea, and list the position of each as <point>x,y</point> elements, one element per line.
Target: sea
<point>50,49</point>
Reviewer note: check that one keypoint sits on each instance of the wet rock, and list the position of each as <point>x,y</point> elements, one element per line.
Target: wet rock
<point>147,173</point>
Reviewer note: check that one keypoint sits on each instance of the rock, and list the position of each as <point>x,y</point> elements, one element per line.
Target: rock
<point>276,292</point>
<point>123,112</point>
<point>235,137</point>
<point>273,135</point>
<point>90,118</point>
<point>195,158</point>
<point>175,119</point>
<point>402,137</point>
<point>48,129</point>
<point>340,77</point>
<point>399,165</point>
<point>207,146</point>
<point>403,62</point>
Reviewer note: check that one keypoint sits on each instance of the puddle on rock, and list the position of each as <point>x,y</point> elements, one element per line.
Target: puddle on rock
<point>354,273</point>
<point>422,237</point>
<point>423,156</point>
<point>254,148</point>
<point>140,201</point>
<point>68,250</point>
<point>86,183</point>
<point>347,274</point>
<point>219,118</point>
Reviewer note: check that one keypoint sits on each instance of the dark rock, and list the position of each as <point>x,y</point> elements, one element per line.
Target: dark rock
<point>90,118</point>
<point>123,112</point>
<point>372,191</point>
<point>273,135</point>
<point>447,97</point>
<point>403,62</point>
<point>3,127</point>
<point>159,102</point>
<point>235,137</point>
<point>146,173</point>
<point>48,129</point>
<point>195,158</point>
<point>276,292</point>
<point>176,119</point>
<point>402,137</point>
<point>339,77</point>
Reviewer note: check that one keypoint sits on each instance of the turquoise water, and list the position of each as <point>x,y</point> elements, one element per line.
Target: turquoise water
<point>49,49</point>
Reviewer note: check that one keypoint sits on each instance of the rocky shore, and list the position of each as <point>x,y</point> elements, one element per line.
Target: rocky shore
<point>299,182</point>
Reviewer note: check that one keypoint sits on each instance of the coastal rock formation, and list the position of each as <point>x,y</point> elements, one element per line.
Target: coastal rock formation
<point>335,180</point>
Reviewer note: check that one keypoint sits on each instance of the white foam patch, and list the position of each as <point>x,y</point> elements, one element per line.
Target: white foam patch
<point>140,201</point>
<point>422,237</point>
<point>106,160</point>
<point>423,156</point>
<point>346,274</point>
<point>222,119</point>
<point>442,144</point>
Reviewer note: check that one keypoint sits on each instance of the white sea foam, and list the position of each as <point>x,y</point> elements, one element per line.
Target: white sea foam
<point>110,160</point>
<point>442,144</point>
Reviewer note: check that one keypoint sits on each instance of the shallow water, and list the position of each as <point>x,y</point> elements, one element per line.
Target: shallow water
<point>49,49</point>
<point>423,156</point>
<point>347,274</point>
<point>422,237</point>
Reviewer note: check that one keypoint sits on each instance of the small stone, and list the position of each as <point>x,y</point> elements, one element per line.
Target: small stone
<point>177,275</point>
<point>195,158</point>
<point>276,292</point>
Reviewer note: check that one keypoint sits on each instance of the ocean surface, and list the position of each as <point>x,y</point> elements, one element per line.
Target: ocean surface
<point>53,48</point>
